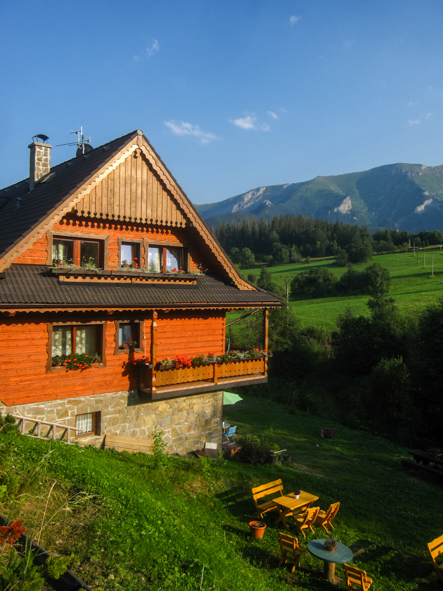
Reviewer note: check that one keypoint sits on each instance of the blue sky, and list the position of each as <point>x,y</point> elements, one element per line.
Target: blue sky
<point>232,94</point>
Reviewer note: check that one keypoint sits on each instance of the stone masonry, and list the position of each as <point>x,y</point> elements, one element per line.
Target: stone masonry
<point>187,422</point>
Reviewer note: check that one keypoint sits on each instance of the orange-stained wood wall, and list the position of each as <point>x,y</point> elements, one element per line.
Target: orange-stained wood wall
<point>25,350</point>
<point>37,254</point>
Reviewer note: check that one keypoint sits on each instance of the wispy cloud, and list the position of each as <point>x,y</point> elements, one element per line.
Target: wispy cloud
<point>150,50</point>
<point>250,122</point>
<point>294,20</point>
<point>420,119</point>
<point>348,44</point>
<point>184,128</point>
<point>153,48</point>
<point>272,115</point>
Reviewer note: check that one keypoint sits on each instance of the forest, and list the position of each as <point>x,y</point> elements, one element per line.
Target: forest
<point>377,371</point>
<point>288,239</point>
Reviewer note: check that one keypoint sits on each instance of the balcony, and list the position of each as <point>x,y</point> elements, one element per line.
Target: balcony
<point>160,384</point>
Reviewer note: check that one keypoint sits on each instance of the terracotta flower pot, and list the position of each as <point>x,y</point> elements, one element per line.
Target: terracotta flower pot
<point>257,529</point>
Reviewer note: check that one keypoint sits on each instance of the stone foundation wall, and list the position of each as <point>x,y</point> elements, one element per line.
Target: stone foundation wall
<point>187,422</point>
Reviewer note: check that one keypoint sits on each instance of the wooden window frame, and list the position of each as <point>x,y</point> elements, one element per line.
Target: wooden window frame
<point>120,349</point>
<point>102,239</point>
<point>96,424</point>
<point>164,245</point>
<point>140,244</point>
<point>100,340</point>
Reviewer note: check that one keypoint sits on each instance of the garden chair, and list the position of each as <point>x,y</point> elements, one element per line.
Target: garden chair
<point>229,434</point>
<point>290,550</point>
<point>435,549</point>
<point>356,578</point>
<point>324,518</point>
<point>306,519</point>
<point>264,490</point>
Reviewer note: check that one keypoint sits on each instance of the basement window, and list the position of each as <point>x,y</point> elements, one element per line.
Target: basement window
<point>89,424</point>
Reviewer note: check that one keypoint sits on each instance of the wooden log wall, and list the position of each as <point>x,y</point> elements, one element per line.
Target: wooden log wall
<point>38,253</point>
<point>24,352</point>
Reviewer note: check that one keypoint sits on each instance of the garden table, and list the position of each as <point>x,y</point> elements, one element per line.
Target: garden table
<point>340,555</point>
<point>288,504</point>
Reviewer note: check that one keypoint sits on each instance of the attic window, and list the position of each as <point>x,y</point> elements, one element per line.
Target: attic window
<point>83,253</point>
<point>166,259</point>
<point>130,254</point>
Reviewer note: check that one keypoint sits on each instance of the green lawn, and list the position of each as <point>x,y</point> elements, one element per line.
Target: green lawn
<point>133,525</point>
<point>412,286</point>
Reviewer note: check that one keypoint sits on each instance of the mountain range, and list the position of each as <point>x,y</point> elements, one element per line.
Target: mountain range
<point>395,196</point>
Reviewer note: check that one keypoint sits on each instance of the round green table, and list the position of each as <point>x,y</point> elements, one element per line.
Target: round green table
<point>340,555</point>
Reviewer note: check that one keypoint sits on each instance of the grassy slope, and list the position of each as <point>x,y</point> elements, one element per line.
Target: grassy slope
<point>164,528</point>
<point>411,286</point>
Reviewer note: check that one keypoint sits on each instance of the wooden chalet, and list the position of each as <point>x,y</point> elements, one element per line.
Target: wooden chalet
<point>106,271</point>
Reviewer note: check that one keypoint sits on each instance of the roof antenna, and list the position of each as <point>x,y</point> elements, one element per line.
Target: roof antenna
<point>83,144</point>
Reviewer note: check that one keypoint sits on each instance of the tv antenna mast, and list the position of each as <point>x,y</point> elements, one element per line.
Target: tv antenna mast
<point>83,144</point>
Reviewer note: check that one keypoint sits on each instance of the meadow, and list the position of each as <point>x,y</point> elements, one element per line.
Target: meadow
<point>140,521</point>
<point>412,285</point>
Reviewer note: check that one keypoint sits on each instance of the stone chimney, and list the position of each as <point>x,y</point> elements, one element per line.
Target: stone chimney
<point>40,159</point>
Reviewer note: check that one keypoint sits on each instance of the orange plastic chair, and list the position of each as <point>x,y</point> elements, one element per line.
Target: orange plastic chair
<point>356,578</point>
<point>435,549</point>
<point>324,518</point>
<point>307,519</point>
<point>290,550</point>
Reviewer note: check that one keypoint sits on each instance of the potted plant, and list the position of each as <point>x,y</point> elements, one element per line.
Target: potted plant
<point>330,544</point>
<point>297,493</point>
<point>257,529</point>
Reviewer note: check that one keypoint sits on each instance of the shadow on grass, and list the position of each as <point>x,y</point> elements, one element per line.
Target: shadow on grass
<point>238,501</point>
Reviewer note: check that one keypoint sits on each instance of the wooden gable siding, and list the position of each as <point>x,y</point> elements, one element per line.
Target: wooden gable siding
<point>24,353</point>
<point>132,192</point>
<point>190,334</point>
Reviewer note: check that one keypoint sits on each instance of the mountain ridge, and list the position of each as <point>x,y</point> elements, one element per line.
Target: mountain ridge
<point>394,196</point>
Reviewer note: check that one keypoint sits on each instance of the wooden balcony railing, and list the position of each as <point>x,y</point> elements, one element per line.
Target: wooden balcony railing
<point>203,378</point>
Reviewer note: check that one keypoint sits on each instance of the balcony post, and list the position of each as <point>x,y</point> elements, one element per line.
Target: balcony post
<point>153,349</point>
<point>266,337</point>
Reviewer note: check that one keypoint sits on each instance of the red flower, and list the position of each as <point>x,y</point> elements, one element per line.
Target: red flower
<point>11,532</point>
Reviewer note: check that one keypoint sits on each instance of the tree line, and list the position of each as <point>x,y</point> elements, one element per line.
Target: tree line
<point>378,372</point>
<point>290,238</point>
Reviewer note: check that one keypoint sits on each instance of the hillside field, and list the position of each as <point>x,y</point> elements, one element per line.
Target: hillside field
<point>412,285</point>
<point>135,524</point>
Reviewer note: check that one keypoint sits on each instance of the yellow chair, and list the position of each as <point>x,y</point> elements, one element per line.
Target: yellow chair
<point>324,518</point>
<point>290,550</point>
<point>435,549</point>
<point>356,578</point>
<point>306,519</point>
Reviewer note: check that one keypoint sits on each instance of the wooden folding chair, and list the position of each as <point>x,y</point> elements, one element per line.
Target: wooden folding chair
<point>435,549</point>
<point>290,550</point>
<point>356,578</point>
<point>306,519</point>
<point>324,518</point>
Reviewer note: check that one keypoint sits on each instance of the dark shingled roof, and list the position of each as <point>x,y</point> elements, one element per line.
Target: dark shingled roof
<point>35,286</point>
<point>21,210</point>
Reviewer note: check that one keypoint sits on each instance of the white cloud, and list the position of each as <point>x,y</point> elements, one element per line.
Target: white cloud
<point>184,128</point>
<point>414,122</point>
<point>294,20</point>
<point>153,48</point>
<point>272,114</point>
<point>250,122</point>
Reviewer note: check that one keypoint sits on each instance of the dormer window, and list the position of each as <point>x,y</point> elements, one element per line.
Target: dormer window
<point>76,251</point>
<point>166,259</point>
